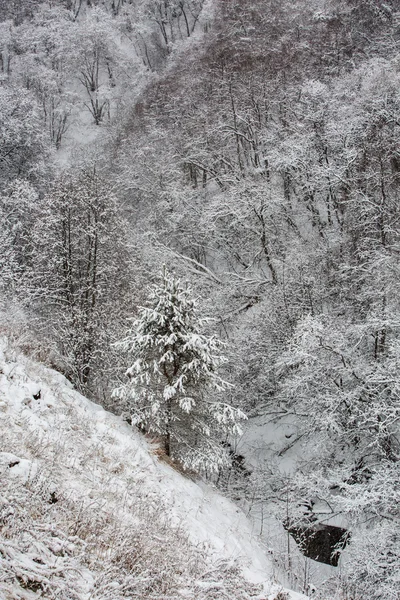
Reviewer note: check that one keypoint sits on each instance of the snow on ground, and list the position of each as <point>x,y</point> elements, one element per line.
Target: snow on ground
<point>271,447</point>
<point>87,510</point>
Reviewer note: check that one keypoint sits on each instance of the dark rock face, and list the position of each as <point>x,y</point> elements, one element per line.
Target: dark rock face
<point>322,543</point>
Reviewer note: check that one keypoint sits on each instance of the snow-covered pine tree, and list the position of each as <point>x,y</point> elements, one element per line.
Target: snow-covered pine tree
<point>173,388</point>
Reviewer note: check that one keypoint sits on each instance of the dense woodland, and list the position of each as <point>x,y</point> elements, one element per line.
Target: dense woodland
<point>252,147</point>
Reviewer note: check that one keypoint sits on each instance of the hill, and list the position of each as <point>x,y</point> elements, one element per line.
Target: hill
<point>89,511</point>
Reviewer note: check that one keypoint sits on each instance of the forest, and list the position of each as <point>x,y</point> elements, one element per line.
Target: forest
<point>200,229</point>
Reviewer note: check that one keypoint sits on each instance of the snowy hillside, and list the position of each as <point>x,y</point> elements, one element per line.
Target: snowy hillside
<point>87,510</point>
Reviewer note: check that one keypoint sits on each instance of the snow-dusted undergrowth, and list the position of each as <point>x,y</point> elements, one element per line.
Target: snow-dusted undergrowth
<point>88,512</point>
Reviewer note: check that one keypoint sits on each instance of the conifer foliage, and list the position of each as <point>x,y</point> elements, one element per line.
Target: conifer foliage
<point>173,387</point>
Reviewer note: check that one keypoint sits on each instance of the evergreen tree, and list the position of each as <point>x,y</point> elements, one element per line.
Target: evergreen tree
<point>174,389</point>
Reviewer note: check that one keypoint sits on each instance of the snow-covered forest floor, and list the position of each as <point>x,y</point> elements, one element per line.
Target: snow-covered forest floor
<point>88,511</point>
<point>272,452</point>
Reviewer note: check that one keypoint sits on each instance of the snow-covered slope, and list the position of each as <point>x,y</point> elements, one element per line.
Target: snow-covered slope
<point>273,449</point>
<point>87,510</point>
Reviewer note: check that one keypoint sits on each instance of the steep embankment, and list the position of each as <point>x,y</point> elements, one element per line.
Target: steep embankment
<point>88,511</point>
